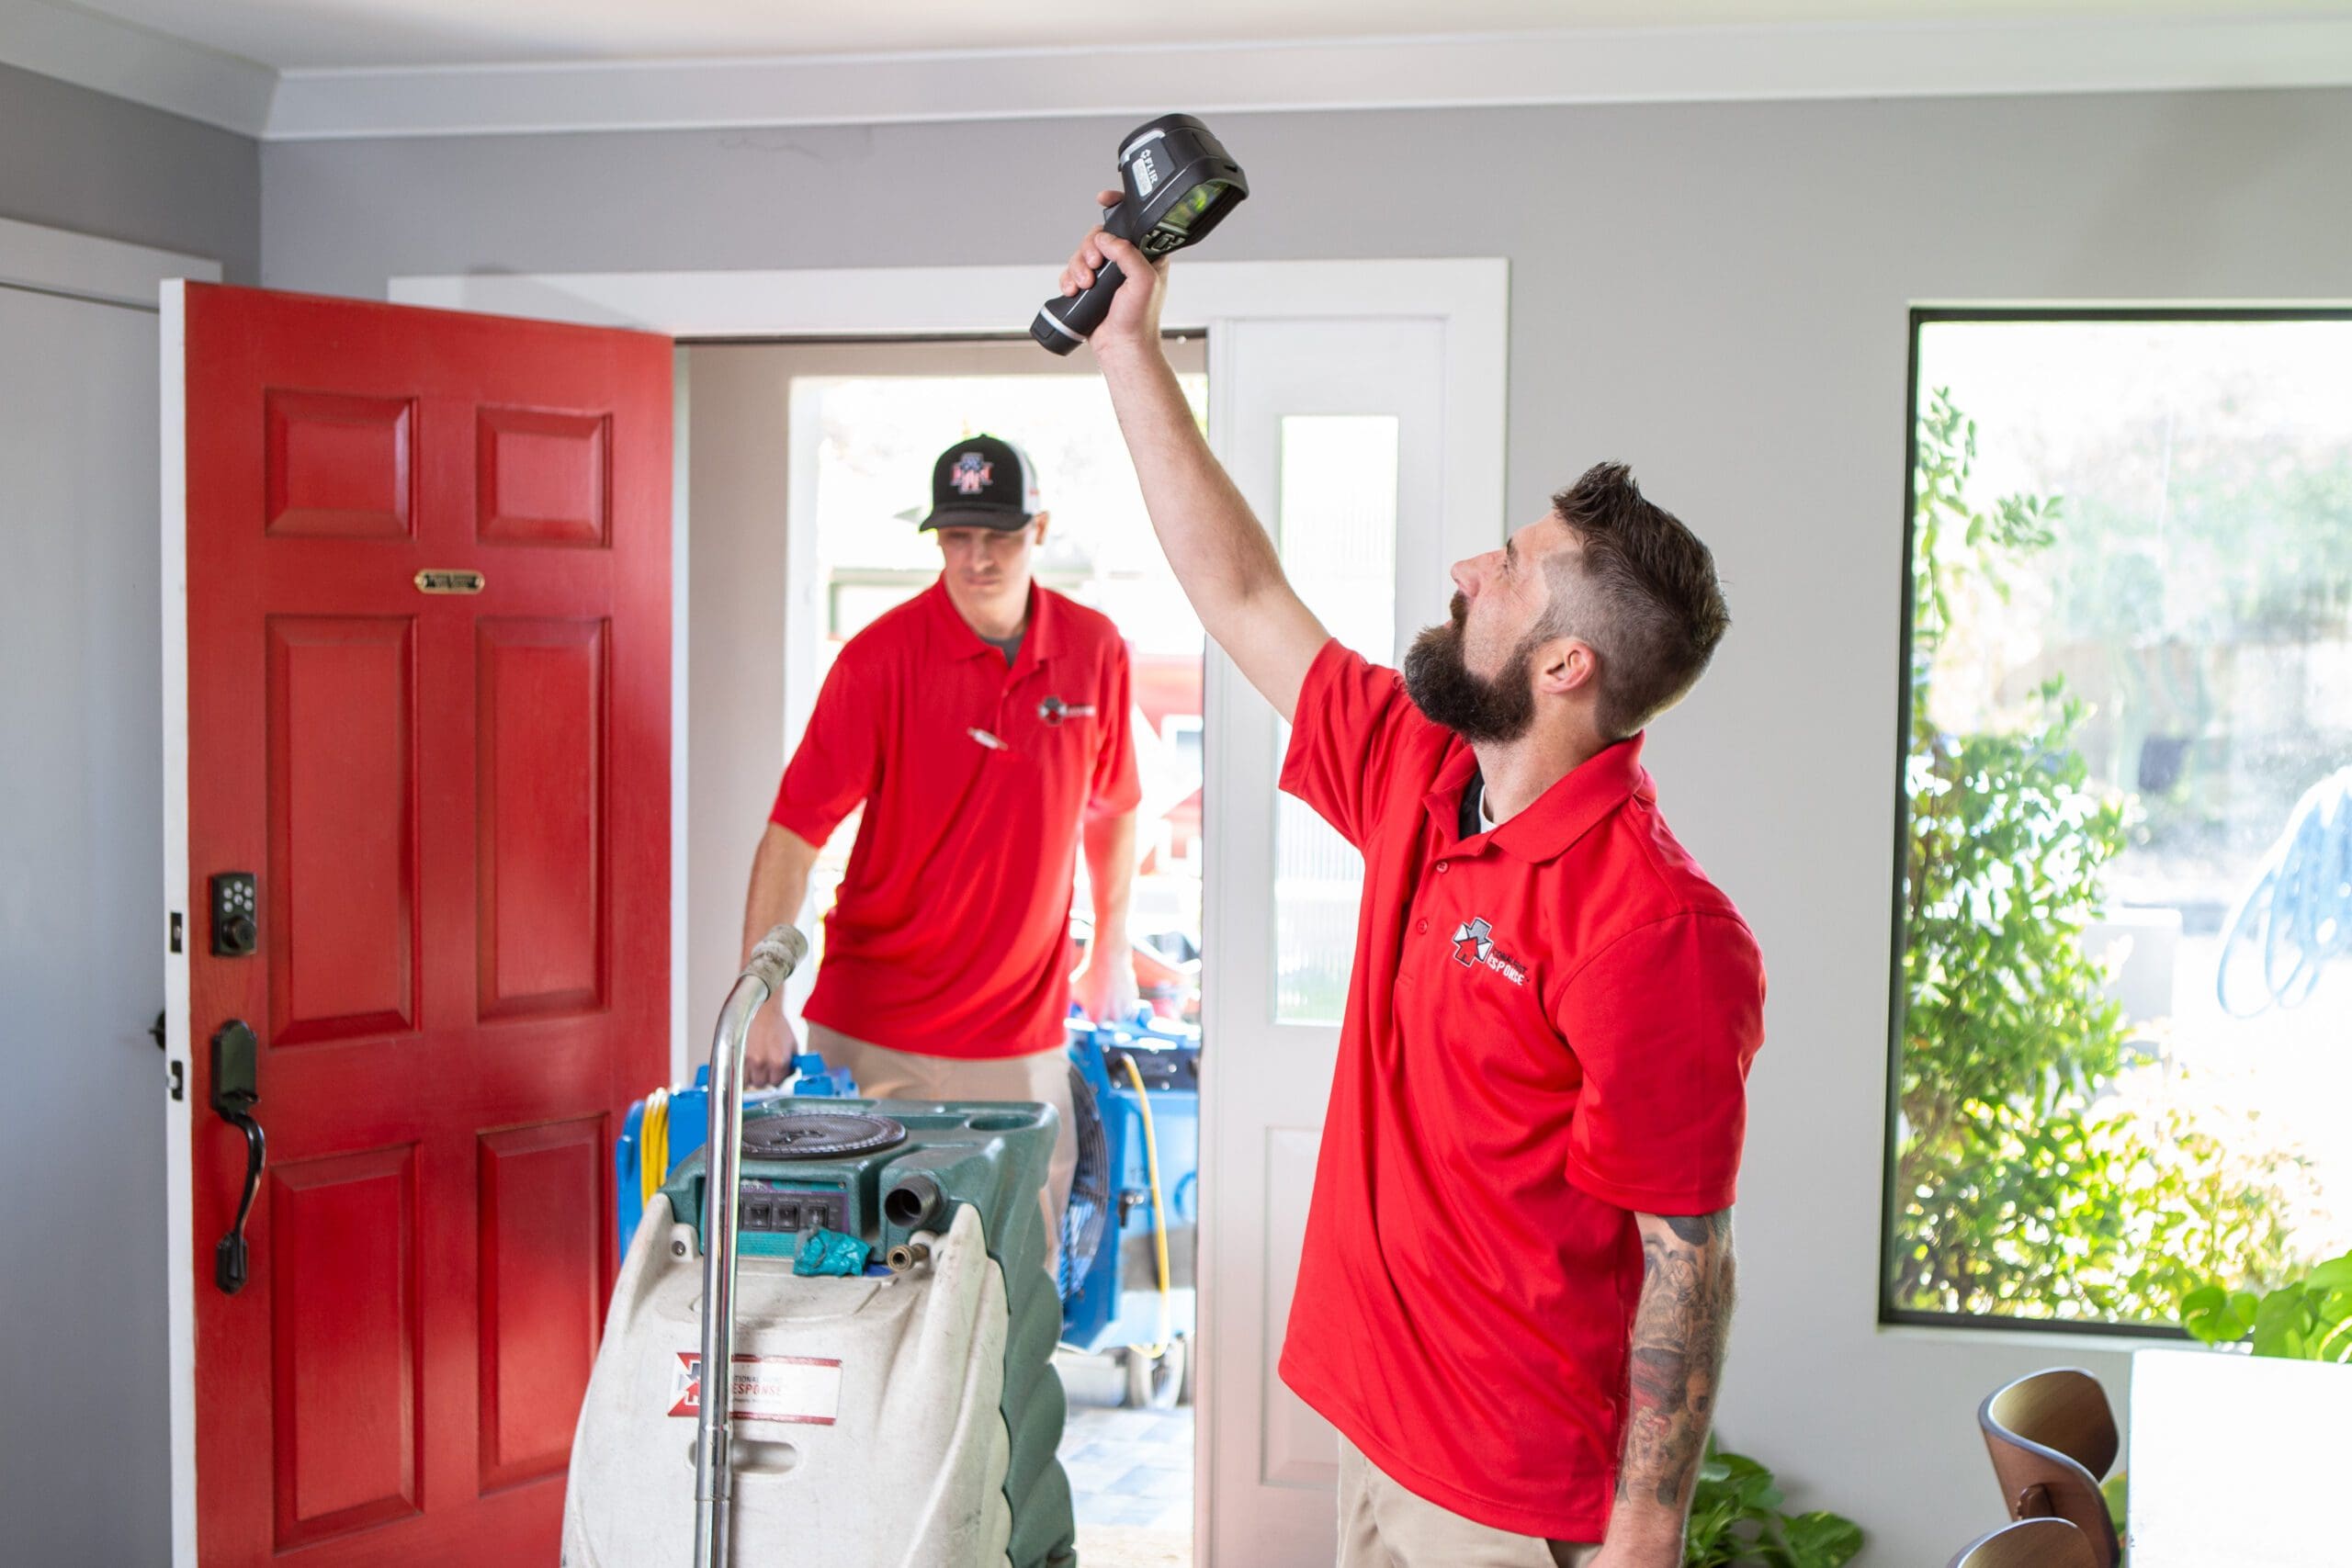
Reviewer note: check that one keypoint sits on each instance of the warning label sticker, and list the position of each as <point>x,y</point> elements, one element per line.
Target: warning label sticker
<point>802,1389</point>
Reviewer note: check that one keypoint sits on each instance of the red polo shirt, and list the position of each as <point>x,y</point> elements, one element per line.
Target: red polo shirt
<point>950,936</point>
<point>1548,1030</point>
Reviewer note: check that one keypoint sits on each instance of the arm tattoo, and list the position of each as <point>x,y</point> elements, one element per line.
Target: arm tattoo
<point>1697,1230</point>
<point>1678,1352</point>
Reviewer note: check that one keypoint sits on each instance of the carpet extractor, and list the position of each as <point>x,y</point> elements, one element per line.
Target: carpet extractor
<point>874,1275</point>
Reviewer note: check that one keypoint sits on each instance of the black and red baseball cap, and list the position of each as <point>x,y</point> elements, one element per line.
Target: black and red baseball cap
<point>982,482</point>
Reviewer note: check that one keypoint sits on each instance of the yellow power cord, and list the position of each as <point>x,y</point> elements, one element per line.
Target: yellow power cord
<point>653,1145</point>
<point>1159,1211</point>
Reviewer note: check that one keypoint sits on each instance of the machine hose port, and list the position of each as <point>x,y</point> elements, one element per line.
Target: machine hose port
<point>908,1257</point>
<point>916,1203</point>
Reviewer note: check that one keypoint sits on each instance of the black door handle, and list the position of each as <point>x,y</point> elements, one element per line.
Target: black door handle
<point>236,1089</point>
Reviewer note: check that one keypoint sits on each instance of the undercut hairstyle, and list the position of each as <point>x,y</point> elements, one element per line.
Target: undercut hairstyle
<point>1643,591</point>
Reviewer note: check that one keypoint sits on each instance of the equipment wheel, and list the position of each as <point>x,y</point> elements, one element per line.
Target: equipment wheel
<point>1158,1382</point>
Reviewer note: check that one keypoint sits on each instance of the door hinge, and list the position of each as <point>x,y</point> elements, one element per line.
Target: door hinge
<point>179,1081</point>
<point>174,938</point>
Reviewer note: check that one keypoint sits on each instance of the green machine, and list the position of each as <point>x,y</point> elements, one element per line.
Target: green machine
<point>889,1330</point>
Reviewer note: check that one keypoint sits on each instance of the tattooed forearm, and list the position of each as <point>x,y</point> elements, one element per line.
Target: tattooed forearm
<point>1678,1354</point>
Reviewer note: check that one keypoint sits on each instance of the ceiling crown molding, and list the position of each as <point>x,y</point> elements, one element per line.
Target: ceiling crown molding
<point>1900,59</point>
<point>1585,66</point>
<point>127,62</point>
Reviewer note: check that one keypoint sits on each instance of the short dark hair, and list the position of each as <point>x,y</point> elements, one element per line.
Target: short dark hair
<point>1643,593</point>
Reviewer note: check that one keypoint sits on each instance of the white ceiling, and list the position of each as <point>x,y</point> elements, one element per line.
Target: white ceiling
<point>343,33</point>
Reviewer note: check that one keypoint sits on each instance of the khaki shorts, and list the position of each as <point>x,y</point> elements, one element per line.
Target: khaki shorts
<point>1041,1077</point>
<point>1382,1525</point>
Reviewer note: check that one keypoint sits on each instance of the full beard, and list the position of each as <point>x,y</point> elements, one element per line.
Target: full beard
<point>1482,712</point>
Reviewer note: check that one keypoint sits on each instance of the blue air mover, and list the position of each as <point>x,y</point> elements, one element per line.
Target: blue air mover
<point>1127,1238</point>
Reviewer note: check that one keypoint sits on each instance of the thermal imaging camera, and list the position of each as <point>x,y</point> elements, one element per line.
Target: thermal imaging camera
<point>1180,183</point>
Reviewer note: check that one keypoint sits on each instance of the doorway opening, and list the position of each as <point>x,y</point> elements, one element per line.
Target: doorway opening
<point>809,464</point>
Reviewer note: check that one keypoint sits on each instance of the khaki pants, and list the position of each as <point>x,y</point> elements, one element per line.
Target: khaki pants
<point>1382,1525</point>
<point>1042,1078</point>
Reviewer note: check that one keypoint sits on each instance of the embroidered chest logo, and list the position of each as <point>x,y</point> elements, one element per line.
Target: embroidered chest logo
<point>972,471</point>
<point>1473,946</point>
<point>1053,710</point>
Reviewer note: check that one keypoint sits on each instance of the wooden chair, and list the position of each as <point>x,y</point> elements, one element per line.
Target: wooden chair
<point>2030,1543</point>
<point>2051,1437</point>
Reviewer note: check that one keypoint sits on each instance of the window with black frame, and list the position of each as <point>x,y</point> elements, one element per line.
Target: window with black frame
<point>2121,1012</point>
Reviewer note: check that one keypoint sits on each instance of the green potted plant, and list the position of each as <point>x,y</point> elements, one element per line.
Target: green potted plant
<point>2306,1319</point>
<point>1737,1522</point>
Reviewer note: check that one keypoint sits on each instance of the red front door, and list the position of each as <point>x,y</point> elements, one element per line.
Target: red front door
<point>428,710</point>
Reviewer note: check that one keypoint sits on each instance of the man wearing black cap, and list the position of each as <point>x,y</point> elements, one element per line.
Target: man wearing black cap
<point>983,726</point>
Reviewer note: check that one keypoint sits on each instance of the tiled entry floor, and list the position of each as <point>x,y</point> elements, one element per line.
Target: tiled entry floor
<point>1130,1472</point>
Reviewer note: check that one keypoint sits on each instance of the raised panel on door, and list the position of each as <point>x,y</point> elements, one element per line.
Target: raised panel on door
<point>348,1339</point>
<point>340,467</point>
<point>543,1265</point>
<point>1299,1450</point>
<point>539,754</point>
<point>342,787</point>
<point>541,476</point>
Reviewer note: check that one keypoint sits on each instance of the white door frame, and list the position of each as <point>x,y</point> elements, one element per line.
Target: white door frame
<point>1469,295</point>
<point>83,266</point>
<point>139,278</point>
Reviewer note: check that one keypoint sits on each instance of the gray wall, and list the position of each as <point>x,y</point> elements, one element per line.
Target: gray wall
<point>82,1290</point>
<point>737,578</point>
<point>1715,293</point>
<point>70,158</point>
<point>85,1459</point>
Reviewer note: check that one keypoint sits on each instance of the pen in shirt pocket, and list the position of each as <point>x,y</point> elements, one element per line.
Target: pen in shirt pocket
<point>985,739</point>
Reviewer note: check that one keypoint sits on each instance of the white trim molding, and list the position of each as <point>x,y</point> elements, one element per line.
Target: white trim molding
<point>916,302</point>
<point>83,266</point>
<point>179,1130</point>
<point>1578,66</point>
<point>130,61</point>
<point>1972,56</point>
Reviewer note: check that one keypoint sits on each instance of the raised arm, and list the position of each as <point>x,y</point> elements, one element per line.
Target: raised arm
<point>1221,553</point>
<point>1677,1367</point>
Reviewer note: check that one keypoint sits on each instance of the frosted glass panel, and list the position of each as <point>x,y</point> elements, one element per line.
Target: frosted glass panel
<point>1337,524</point>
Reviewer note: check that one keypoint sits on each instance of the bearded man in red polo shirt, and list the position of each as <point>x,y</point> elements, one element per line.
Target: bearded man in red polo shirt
<point>1517,1274</point>
<point>983,725</point>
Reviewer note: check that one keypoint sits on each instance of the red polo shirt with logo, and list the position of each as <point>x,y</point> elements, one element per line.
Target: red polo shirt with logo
<point>950,936</point>
<point>1548,1030</point>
